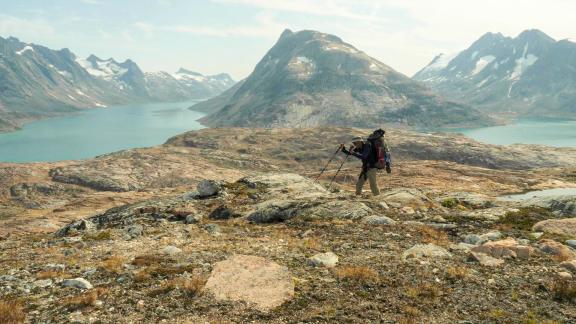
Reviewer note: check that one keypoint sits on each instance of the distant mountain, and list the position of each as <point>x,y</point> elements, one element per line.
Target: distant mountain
<point>532,74</point>
<point>186,84</point>
<point>37,82</point>
<point>309,78</point>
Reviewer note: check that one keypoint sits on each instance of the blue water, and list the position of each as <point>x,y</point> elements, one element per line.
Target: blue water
<point>558,133</point>
<point>98,131</point>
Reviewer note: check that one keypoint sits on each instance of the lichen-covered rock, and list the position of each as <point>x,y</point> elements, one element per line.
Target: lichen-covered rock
<point>79,283</point>
<point>79,225</point>
<point>426,251</point>
<point>566,227</point>
<point>281,210</point>
<point>555,248</point>
<point>207,188</point>
<point>378,220</point>
<point>252,279</point>
<point>409,197</point>
<point>328,259</point>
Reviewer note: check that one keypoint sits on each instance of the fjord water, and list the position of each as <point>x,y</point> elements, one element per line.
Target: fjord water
<point>551,132</point>
<point>98,131</point>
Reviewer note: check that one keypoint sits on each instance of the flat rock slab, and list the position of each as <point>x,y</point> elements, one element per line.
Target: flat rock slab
<point>262,283</point>
<point>566,226</point>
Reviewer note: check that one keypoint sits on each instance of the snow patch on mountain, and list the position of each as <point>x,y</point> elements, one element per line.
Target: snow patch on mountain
<point>482,63</point>
<point>522,64</point>
<point>25,49</point>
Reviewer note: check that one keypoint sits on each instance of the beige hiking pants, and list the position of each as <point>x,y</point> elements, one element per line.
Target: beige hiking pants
<point>371,175</point>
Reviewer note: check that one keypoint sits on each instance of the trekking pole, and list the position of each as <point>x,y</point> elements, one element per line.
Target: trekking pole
<point>326,166</point>
<point>340,168</point>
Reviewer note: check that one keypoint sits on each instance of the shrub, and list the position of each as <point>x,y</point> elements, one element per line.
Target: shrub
<point>457,272</point>
<point>113,264</point>
<point>83,300</point>
<point>563,290</point>
<point>11,312</point>
<point>525,218</point>
<point>358,274</point>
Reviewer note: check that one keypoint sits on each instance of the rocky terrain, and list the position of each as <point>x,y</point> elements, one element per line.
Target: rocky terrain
<point>231,227</point>
<point>38,82</point>
<point>310,79</point>
<point>529,75</point>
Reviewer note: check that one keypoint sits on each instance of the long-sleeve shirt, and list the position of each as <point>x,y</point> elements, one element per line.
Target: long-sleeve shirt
<point>364,154</point>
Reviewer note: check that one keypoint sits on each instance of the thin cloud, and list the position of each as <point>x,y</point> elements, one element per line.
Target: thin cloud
<point>266,27</point>
<point>14,26</point>
<point>330,8</point>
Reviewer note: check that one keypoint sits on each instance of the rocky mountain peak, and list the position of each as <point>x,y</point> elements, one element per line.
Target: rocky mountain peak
<point>535,35</point>
<point>312,78</point>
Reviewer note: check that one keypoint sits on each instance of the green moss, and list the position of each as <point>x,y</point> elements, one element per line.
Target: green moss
<point>525,218</point>
<point>100,236</point>
<point>450,202</point>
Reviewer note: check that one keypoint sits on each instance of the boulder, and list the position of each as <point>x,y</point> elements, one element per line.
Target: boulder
<point>193,219</point>
<point>555,248</point>
<point>507,248</point>
<point>571,243</point>
<point>79,283</point>
<point>565,226</point>
<point>281,210</point>
<point>207,188</point>
<point>223,212</point>
<point>485,259</point>
<point>252,279</point>
<point>327,259</point>
<point>79,225</point>
<point>378,220</point>
<point>563,275</point>
<point>420,251</point>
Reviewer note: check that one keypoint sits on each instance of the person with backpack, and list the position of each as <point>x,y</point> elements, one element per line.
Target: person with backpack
<point>374,154</point>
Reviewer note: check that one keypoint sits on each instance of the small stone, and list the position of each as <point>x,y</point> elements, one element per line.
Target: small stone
<point>491,281</point>
<point>213,229</point>
<point>564,275</point>
<point>536,235</point>
<point>327,259</point>
<point>378,220</point>
<point>79,283</point>
<point>89,272</point>
<point>171,250</point>
<point>141,304</point>
<point>43,283</point>
<point>193,219</point>
<point>465,247</point>
<point>569,265</point>
<point>571,243</point>
<point>438,219</point>
<point>485,259</point>
<point>383,205</point>
<point>408,210</point>
<point>473,239</point>
<point>134,231</point>
<point>223,212</point>
<point>207,188</point>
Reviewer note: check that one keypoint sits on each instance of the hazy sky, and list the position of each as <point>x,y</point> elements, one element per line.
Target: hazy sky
<point>212,36</point>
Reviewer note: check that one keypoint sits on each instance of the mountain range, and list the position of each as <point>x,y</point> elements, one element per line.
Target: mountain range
<point>38,82</point>
<point>310,78</point>
<point>530,75</point>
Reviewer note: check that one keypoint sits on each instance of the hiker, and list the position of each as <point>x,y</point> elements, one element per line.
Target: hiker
<point>374,154</point>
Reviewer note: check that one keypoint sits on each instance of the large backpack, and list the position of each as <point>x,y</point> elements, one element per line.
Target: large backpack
<point>379,149</point>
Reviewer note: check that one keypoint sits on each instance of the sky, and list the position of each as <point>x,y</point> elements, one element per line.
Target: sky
<point>214,36</point>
